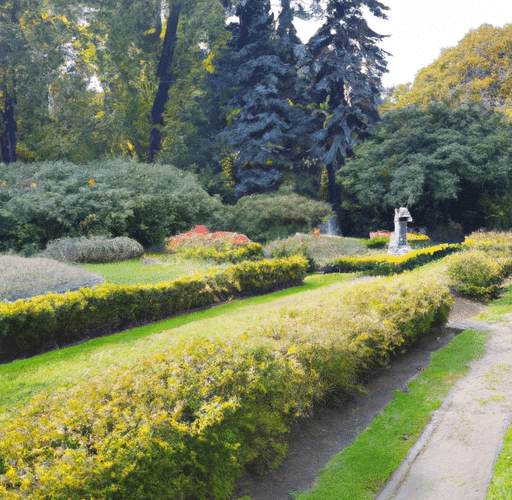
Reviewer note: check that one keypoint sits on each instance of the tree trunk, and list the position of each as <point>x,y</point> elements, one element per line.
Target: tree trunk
<point>8,132</point>
<point>165,78</point>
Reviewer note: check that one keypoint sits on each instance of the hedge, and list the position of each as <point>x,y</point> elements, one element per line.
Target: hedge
<point>184,424</point>
<point>27,326</point>
<point>385,265</point>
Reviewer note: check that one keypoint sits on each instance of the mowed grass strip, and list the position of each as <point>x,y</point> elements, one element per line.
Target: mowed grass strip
<point>363,468</point>
<point>23,379</point>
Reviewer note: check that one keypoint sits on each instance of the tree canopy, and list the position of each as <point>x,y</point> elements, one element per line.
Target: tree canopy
<point>443,163</point>
<point>478,69</point>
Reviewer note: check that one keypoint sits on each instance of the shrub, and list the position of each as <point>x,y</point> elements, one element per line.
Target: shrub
<point>267,217</point>
<point>376,242</point>
<point>390,264</point>
<point>40,202</point>
<point>184,423</point>
<point>96,249</point>
<point>476,274</point>
<point>320,249</point>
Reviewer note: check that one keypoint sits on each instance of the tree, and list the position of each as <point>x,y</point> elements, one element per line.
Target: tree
<point>444,164</point>
<point>345,66</point>
<point>478,69</point>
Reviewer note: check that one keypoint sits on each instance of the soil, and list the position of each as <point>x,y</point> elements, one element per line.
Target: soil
<point>314,441</point>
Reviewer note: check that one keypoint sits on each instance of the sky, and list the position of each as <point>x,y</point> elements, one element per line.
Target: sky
<point>420,29</point>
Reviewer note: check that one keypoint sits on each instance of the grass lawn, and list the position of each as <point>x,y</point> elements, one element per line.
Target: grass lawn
<point>136,271</point>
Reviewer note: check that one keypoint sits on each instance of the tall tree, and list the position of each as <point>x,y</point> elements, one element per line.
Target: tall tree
<point>345,66</point>
<point>477,69</point>
<point>443,163</point>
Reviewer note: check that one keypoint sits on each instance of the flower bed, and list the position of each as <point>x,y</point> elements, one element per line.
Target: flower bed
<point>220,246</point>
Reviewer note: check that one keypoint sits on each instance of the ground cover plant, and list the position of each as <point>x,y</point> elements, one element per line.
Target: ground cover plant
<point>283,355</point>
<point>93,249</point>
<point>22,277</point>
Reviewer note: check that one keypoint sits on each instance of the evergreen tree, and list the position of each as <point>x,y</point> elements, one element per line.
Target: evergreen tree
<point>344,66</point>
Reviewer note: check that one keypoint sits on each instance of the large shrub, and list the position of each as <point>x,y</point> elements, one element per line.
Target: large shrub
<point>267,217</point>
<point>40,202</point>
<point>476,274</point>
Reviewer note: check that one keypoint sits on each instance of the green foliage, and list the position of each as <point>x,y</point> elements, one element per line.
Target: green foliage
<point>28,325</point>
<point>378,242</point>
<point>224,252</point>
<point>187,421</point>
<point>443,163</point>
<point>269,217</point>
<point>41,202</point>
<point>501,485</point>
<point>476,274</point>
<point>95,249</point>
<point>385,265</point>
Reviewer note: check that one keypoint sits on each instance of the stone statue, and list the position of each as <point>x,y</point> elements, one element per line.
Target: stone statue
<point>398,240</point>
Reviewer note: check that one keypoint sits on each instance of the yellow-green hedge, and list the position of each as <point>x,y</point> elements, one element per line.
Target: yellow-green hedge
<point>226,253</point>
<point>385,265</point>
<point>28,325</point>
<point>184,423</point>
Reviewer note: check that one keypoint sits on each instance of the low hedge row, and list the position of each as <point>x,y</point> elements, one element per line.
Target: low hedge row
<point>27,326</point>
<point>224,253</point>
<point>184,424</point>
<point>385,265</point>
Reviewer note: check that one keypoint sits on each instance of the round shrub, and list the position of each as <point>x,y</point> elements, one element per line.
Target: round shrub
<point>475,274</point>
<point>378,242</point>
<point>96,249</point>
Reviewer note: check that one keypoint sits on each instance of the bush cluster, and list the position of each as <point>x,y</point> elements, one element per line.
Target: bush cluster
<point>40,202</point>
<point>476,274</point>
<point>96,249</point>
<point>385,265</point>
<point>377,242</point>
<point>26,326</point>
<point>267,217</point>
<point>184,423</point>
<point>221,246</point>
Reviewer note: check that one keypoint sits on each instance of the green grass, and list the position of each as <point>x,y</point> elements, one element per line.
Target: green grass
<point>363,468</point>
<point>498,309</point>
<point>23,379</point>
<point>501,484</point>
<point>136,271</point>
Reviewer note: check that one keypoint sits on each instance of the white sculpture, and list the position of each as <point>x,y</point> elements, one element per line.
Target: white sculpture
<point>398,240</point>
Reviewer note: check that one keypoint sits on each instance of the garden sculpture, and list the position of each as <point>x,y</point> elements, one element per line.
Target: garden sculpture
<point>398,240</point>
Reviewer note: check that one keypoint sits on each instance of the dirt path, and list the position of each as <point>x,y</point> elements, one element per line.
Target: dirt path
<point>313,442</point>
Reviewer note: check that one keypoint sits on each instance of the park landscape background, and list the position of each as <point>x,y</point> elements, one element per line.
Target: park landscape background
<point>122,130</point>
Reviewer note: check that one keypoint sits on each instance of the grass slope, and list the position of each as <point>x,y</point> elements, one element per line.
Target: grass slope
<point>363,468</point>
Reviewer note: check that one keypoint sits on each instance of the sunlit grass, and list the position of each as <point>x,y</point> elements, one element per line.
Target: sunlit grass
<point>151,269</point>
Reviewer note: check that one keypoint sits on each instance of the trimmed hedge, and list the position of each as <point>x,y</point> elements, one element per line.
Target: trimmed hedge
<point>224,252</point>
<point>183,424</point>
<point>385,265</point>
<point>27,326</point>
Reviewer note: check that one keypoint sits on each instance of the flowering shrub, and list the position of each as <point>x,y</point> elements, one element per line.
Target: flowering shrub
<point>185,422</point>
<point>390,264</point>
<point>476,274</point>
<point>380,234</point>
<point>221,246</point>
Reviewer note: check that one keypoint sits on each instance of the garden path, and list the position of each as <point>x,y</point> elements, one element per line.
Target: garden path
<point>314,441</point>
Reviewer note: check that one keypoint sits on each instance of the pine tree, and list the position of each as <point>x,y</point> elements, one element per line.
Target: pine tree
<point>345,66</point>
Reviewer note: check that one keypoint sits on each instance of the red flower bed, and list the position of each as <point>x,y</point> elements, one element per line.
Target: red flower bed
<point>201,234</point>
<point>380,234</point>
